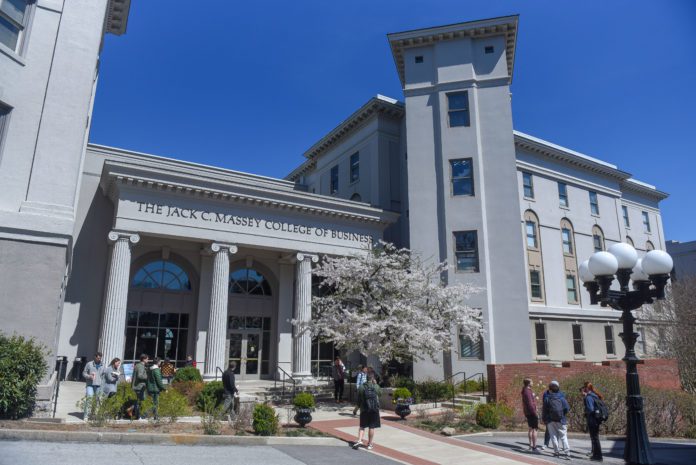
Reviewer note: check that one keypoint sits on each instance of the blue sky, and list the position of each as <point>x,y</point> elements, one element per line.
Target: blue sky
<point>251,85</point>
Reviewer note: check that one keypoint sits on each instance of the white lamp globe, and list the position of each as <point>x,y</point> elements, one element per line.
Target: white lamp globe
<point>638,273</point>
<point>625,254</point>
<point>603,264</point>
<point>585,273</point>
<point>657,262</point>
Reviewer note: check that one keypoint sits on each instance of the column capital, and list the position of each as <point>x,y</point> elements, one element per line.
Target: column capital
<point>115,236</point>
<point>302,256</point>
<point>216,247</point>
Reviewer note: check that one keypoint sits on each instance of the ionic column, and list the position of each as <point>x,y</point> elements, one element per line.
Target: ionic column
<point>113,330</point>
<point>302,339</point>
<point>217,324</point>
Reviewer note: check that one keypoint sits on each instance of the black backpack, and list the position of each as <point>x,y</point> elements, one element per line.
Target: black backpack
<point>555,408</point>
<point>601,411</point>
<point>371,401</point>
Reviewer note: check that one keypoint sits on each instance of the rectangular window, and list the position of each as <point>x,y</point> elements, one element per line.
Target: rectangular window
<point>528,184</point>
<point>578,346</point>
<point>567,241</point>
<point>624,210</point>
<point>355,167</point>
<point>597,240</point>
<point>469,348</point>
<point>334,180</point>
<point>458,109</point>
<point>646,222</point>
<point>609,338</point>
<point>535,284</point>
<point>462,177</point>
<point>466,251</point>
<point>530,226</point>
<point>594,203</point>
<point>13,16</point>
<point>540,335</point>
<point>572,289</point>
<point>562,194</point>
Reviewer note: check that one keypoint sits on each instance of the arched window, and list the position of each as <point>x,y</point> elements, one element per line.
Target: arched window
<point>597,238</point>
<point>161,274</point>
<point>649,246</point>
<point>531,229</point>
<point>249,281</point>
<point>629,241</point>
<point>356,197</point>
<point>534,258</point>
<point>567,237</point>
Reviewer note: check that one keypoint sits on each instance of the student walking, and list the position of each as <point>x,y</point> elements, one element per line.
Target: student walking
<point>139,384</point>
<point>529,407</point>
<point>359,381</point>
<point>555,410</point>
<point>592,399</point>
<point>368,396</point>
<point>110,377</point>
<point>92,375</point>
<point>338,373</point>
<point>230,389</point>
<point>155,385</point>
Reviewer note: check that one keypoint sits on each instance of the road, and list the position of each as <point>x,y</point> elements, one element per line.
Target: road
<point>50,453</point>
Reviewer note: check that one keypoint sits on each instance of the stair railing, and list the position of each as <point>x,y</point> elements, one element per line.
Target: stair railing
<point>450,380</point>
<point>482,382</point>
<point>216,372</point>
<point>289,378</point>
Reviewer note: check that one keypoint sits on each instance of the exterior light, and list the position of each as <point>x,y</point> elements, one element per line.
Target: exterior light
<point>603,264</point>
<point>625,255</point>
<point>585,274</point>
<point>657,262</point>
<point>638,273</point>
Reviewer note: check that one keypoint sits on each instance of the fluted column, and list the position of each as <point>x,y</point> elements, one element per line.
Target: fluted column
<point>217,324</point>
<point>302,339</point>
<point>113,330</point>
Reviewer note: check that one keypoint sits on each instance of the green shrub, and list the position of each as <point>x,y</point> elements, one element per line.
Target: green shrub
<point>401,393</point>
<point>488,415</point>
<point>189,389</point>
<point>210,419</point>
<point>403,381</point>
<point>187,374</point>
<point>124,398</point>
<point>210,395</point>
<point>173,405</point>
<point>433,391</point>
<point>304,400</point>
<point>265,421</point>
<point>22,366</point>
<point>471,385</point>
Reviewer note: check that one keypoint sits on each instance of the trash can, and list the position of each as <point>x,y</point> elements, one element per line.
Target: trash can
<point>78,365</point>
<point>61,367</point>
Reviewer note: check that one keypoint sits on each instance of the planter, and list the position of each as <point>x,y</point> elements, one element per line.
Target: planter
<point>403,410</point>
<point>303,416</point>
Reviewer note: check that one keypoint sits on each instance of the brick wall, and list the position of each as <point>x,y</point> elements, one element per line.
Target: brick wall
<point>656,373</point>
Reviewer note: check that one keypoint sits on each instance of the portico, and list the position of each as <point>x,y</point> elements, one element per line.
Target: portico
<point>218,264</point>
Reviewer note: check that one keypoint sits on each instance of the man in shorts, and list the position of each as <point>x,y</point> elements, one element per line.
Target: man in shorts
<point>530,412</point>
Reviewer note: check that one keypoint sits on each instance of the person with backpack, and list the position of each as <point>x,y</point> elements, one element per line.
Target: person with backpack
<point>555,410</point>
<point>596,412</point>
<point>360,379</point>
<point>368,396</point>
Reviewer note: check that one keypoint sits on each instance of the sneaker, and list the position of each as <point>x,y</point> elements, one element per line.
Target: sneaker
<point>370,446</point>
<point>540,447</point>
<point>356,445</point>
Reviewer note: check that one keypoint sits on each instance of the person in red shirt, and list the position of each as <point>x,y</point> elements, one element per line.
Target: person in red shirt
<point>530,412</point>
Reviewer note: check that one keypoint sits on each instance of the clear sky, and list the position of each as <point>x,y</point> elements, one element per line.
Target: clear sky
<point>251,85</point>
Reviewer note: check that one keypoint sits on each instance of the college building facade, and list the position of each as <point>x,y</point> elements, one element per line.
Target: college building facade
<point>113,250</point>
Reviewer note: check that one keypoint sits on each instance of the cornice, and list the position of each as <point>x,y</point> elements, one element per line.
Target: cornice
<point>504,25</point>
<point>637,187</point>
<point>116,18</point>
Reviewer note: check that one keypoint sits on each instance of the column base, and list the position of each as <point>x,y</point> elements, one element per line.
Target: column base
<point>304,379</point>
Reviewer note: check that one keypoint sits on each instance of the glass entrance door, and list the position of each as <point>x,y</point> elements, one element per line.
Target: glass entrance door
<point>245,349</point>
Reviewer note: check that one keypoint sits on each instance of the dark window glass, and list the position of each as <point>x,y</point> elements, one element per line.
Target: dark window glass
<point>598,243</point>
<point>578,346</point>
<point>594,203</point>
<point>333,188</point>
<point>12,22</point>
<point>419,59</point>
<point>624,210</point>
<point>458,109</point>
<point>249,281</point>
<point>535,283</point>
<point>462,177</point>
<point>540,333</point>
<point>470,349</point>
<point>355,167</point>
<point>489,49</point>
<point>161,274</point>
<point>530,226</point>
<point>609,338</point>
<point>528,183</point>
<point>646,222</point>
<point>572,289</point>
<point>466,251</point>
<point>567,241</point>
<point>562,194</point>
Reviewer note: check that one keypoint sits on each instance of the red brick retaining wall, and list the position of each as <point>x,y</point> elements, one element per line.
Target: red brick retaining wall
<point>656,373</point>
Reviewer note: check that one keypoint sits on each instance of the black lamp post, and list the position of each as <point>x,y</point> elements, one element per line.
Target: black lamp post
<point>649,275</point>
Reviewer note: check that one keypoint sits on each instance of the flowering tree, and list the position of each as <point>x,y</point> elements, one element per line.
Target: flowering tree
<point>389,304</point>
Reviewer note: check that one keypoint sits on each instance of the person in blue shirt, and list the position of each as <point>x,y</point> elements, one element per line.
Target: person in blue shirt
<point>554,414</point>
<point>359,381</point>
<point>591,395</point>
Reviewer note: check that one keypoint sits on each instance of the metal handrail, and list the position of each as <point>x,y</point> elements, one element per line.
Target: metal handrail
<point>291,379</point>
<point>482,380</point>
<point>55,395</point>
<point>216,372</point>
<point>450,379</point>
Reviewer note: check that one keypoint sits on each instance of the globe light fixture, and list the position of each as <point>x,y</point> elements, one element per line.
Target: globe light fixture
<point>649,275</point>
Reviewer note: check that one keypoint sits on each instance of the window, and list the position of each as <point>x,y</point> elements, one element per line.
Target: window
<point>249,281</point>
<point>469,348</point>
<point>419,59</point>
<point>540,335</point>
<point>566,235</point>
<point>530,226</point>
<point>572,289</point>
<point>646,222</point>
<point>609,338</point>
<point>462,177</point>
<point>13,19</point>
<point>458,109</point>
<point>489,49</point>
<point>624,211</point>
<point>563,194</point>
<point>162,335</point>
<point>649,246</point>
<point>333,188</point>
<point>322,357</point>
<point>597,238</point>
<point>528,184</point>
<point>578,346</point>
<point>161,274</point>
<point>356,197</point>
<point>535,284</point>
<point>594,203</point>
<point>354,167</point>
<point>466,251</point>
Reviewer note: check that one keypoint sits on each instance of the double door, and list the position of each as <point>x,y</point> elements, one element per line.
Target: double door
<point>245,350</point>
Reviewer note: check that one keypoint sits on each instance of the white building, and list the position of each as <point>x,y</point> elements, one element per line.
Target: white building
<point>174,258</point>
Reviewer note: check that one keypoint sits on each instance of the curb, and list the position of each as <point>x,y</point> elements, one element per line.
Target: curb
<point>572,435</point>
<point>162,439</point>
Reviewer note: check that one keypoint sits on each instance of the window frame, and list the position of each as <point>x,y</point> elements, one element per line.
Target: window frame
<point>579,340</point>
<point>594,203</point>
<point>23,28</point>
<point>532,285</point>
<point>527,176</point>
<point>354,168</point>
<point>626,219</point>
<point>598,242</point>
<point>470,161</point>
<point>333,180</point>
<point>477,348</point>
<point>563,195</point>
<point>646,222</point>
<point>569,243</point>
<point>477,267</point>
<point>527,224</point>
<point>570,277</point>
<point>610,339</point>
<point>544,340</point>
<point>466,110</point>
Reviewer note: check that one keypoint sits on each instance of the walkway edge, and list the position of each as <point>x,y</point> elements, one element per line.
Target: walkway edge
<point>162,439</point>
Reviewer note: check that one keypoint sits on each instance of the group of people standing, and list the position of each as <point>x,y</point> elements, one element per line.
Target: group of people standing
<point>554,414</point>
<point>100,380</point>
